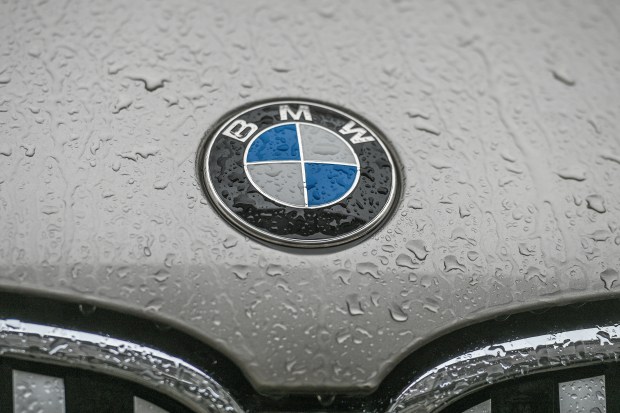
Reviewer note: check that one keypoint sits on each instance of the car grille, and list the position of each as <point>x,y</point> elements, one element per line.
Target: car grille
<point>54,358</point>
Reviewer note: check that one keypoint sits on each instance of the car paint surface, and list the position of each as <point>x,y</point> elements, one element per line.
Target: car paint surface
<point>503,116</point>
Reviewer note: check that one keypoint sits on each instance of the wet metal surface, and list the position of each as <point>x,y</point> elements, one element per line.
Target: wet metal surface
<point>504,116</point>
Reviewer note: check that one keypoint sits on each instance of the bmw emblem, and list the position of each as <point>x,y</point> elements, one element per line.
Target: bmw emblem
<point>299,173</point>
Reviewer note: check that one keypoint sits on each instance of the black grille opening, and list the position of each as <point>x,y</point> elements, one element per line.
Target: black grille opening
<point>33,386</point>
<point>592,389</point>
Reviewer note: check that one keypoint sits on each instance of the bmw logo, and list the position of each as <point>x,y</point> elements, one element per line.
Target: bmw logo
<point>299,173</point>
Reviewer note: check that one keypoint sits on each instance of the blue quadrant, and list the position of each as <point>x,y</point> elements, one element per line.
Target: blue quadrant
<point>277,144</point>
<point>326,182</point>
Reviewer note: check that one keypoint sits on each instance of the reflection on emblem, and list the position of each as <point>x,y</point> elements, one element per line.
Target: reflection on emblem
<point>299,173</point>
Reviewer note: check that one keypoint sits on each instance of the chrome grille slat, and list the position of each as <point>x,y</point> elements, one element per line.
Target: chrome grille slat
<point>464,374</point>
<point>144,365</point>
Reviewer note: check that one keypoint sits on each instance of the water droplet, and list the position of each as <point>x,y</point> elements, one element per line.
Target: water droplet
<point>169,260</point>
<point>403,260</point>
<point>418,248</point>
<point>280,68</point>
<point>603,337</point>
<point>397,313</point>
<point>161,185</point>
<point>388,248</point>
<point>526,250</point>
<point>415,204</point>
<point>534,272</point>
<point>507,156</point>
<point>152,79</point>
<point>575,173</point>
<point>342,338</point>
<point>464,212</point>
<point>161,276</point>
<point>142,152</point>
<point>374,299</point>
<point>459,234</point>
<point>561,75</point>
<point>450,263</point>
<point>354,305</point>
<point>424,125</point>
<point>611,157</point>
<point>432,307</point>
<point>326,400</point>
<point>344,276</point>
<point>415,113</point>
<point>241,271</point>
<point>87,309</point>
<point>122,102</point>
<point>440,163</point>
<point>274,270</point>
<point>368,268</point>
<point>30,150</point>
<point>596,203</point>
<point>170,99</point>
<point>609,278</point>
<point>600,235</point>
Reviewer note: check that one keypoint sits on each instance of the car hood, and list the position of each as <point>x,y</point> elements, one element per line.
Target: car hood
<point>503,116</point>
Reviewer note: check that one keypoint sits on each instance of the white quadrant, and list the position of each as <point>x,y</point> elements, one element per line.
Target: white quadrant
<point>324,146</point>
<point>280,181</point>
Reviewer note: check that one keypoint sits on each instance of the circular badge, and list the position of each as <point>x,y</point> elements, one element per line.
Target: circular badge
<point>299,173</point>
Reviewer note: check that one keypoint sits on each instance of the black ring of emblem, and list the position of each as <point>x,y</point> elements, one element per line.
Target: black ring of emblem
<point>223,177</point>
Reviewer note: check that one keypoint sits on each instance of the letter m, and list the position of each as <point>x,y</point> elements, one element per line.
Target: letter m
<point>302,110</point>
<point>359,133</point>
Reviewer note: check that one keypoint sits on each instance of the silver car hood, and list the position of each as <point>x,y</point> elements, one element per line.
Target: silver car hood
<point>504,118</point>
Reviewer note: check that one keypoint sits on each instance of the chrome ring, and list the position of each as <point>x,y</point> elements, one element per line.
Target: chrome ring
<point>149,367</point>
